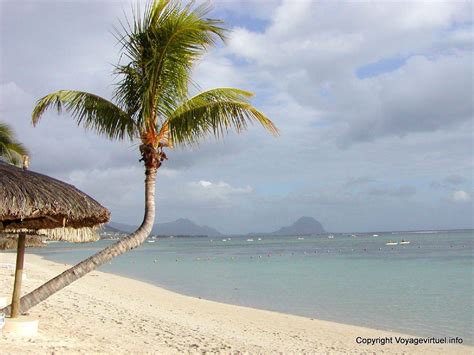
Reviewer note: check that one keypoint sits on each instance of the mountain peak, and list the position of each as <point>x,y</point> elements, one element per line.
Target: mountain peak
<point>183,226</point>
<point>303,226</point>
<point>305,219</point>
<point>183,220</point>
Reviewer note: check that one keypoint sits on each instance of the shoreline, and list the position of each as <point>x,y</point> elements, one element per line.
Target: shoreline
<point>107,313</point>
<point>167,289</point>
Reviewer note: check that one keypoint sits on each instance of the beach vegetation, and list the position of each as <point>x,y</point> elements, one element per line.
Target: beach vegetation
<point>11,150</point>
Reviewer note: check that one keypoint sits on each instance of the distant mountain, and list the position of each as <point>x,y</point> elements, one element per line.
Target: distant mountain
<point>121,227</point>
<point>303,226</point>
<point>184,226</point>
<point>108,228</point>
<point>181,226</point>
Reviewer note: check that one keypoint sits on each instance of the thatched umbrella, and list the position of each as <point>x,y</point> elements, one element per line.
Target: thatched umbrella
<point>37,205</point>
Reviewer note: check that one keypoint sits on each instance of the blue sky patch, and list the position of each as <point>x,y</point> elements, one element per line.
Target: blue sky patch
<point>379,67</point>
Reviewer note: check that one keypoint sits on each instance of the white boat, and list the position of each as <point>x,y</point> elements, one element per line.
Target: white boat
<point>375,235</point>
<point>330,237</point>
<point>224,240</point>
<point>404,242</point>
<point>259,238</point>
<point>391,243</point>
<point>300,238</point>
<point>250,240</point>
<point>151,241</point>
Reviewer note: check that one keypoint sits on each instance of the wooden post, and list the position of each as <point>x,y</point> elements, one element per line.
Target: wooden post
<point>20,257</point>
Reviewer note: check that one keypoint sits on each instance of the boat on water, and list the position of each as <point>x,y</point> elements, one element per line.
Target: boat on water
<point>330,237</point>
<point>404,242</point>
<point>151,241</point>
<point>375,235</point>
<point>391,243</point>
<point>250,240</point>
<point>300,238</point>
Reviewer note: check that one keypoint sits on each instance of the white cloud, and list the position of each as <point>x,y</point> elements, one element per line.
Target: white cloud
<point>205,183</point>
<point>119,189</point>
<point>312,50</point>
<point>460,196</point>
<point>309,32</point>
<point>411,99</point>
<point>219,191</point>
<point>215,70</point>
<point>13,97</point>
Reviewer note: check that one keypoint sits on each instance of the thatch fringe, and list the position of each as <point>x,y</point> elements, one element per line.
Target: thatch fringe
<point>33,201</point>
<point>66,234</point>
<point>75,235</point>
<point>10,241</point>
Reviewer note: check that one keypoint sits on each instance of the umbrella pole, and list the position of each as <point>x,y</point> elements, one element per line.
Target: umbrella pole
<point>20,257</point>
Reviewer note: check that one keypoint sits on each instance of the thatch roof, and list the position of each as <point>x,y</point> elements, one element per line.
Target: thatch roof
<point>10,241</point>
<point>34,202</point>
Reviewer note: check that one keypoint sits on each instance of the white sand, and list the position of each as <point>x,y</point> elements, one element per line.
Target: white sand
<point>105,313</point>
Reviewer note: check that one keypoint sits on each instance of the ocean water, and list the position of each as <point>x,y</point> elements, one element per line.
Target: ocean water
<point>424,288</point>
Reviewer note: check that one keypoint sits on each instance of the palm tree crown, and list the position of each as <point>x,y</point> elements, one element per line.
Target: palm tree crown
<point>151,99</point>
<point>10,149</point>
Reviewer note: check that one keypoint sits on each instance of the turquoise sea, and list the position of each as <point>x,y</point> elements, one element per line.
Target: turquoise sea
<point>423,288</point>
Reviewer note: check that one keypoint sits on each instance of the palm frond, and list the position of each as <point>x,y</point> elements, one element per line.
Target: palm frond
<point>215,112</point>
<point>93,111</point>
<point>10,149</point>
<point>161,48</point>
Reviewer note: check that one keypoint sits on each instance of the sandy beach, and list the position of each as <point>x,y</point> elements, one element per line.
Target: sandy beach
<point>105,313</point>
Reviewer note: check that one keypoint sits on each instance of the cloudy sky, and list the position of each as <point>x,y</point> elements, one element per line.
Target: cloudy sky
<point>374,101</point>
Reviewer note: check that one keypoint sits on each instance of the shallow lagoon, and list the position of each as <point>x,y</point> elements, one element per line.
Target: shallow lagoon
<point>423,288</point>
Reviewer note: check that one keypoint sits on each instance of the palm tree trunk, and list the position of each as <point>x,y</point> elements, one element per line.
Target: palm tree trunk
<point>125,244</point>
<point>20,257</point>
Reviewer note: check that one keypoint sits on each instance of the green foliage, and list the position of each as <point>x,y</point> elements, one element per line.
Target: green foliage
<point>92,111</point>
<point>10,149</point>
<point>214,112</point>
<point>159,50</point>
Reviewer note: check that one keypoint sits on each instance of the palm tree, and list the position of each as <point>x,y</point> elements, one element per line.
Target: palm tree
<point>10,149</point>
<point>151,104</point>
